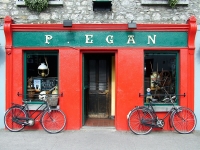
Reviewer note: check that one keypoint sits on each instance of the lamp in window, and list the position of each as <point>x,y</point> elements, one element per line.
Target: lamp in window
<point>43,69</point>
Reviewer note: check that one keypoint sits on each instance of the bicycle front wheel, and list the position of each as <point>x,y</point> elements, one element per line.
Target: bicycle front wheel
<point>135,120</point>
<point>184,120</point>
<point>12,119</point>
<point>53,121</point>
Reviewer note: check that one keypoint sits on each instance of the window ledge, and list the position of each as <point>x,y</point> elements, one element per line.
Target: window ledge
<point>162,108</point>
<point>153,2</point>
<point>35,106</point>
<point>22,3</point>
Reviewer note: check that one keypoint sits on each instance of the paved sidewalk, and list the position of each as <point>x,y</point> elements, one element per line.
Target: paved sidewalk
<point>97,139</point>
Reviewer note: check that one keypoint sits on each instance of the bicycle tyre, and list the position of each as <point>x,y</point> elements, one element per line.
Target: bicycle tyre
<point>184,120</point>
<point>53,121</point>
<point>11,113</point>
<point>134,120</point>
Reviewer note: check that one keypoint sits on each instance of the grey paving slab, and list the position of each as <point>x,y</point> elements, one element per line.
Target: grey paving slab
<point>97,139</point>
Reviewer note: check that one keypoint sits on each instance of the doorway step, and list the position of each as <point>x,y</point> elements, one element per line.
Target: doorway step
<point>93,122</point>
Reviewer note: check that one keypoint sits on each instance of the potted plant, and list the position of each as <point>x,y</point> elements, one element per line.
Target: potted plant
<point>173,3</point>
<point>37,5</point>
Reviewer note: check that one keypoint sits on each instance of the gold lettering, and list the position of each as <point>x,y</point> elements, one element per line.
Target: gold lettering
<point>109,39</point>
<point>153,40</point>
<point>48,38</point>
<point>131,39</point>
<point>88,39</point>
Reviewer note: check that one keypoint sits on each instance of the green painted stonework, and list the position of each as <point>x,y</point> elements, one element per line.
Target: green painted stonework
<point>100,39</point>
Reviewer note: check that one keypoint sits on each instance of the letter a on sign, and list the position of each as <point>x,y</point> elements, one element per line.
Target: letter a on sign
<point>131,39</point>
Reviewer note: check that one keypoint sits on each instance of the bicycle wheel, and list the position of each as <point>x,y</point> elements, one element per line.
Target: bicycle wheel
<point>184,120</point>
<point>135,120</point>
<point>11,118</point>
<point>53,121</point>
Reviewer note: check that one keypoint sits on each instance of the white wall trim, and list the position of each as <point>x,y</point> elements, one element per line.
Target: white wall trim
<point>150,2</point>
<point>22,3</point>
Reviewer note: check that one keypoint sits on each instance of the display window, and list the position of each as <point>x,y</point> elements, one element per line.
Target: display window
<point>161,76</point>
<point>40,73</point>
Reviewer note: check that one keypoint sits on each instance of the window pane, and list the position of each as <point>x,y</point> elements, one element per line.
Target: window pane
<point>36,80</point>
<point>160,75</point>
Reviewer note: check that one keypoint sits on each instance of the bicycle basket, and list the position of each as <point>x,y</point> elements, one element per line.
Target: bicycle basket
<point>52,100</point>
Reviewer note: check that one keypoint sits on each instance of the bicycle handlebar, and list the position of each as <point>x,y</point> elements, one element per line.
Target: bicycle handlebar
<point>19,94</point>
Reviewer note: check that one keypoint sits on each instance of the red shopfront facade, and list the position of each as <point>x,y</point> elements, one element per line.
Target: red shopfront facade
<point>102,70</point>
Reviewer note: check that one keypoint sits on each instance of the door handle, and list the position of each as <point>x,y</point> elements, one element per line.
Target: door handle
<point>106,91</point>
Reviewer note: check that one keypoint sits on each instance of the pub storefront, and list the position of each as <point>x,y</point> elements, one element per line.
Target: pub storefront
<point>102,71</point>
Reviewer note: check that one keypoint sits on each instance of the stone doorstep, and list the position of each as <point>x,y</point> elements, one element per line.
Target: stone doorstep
<point>90,128</point>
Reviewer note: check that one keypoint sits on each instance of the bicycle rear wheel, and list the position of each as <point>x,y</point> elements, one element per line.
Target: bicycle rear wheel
<point>184,120</point>
<point>53,121</point>
<point>11,118</point>
<point>135,120</point>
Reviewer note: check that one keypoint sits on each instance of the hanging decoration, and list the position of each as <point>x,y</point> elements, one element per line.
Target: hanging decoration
<point>37,5</point>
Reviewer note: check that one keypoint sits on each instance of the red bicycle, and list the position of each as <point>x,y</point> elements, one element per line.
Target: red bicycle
<point>53,120</point>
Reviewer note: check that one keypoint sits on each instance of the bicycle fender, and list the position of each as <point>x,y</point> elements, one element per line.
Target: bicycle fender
<point>172,113</point>
<point>128,115</point>
<point>170,120</point>
<point>16,105</point>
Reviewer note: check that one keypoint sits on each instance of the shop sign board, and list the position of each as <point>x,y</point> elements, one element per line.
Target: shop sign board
<point>100,39</point>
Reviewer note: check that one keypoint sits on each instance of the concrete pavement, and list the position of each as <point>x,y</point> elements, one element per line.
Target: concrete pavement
<point>97,139</point>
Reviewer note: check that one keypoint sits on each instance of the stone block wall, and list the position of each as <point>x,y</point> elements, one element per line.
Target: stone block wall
<point>81,11</point>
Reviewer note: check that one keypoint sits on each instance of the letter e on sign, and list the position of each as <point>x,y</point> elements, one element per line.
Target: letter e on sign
<point>88,39</point>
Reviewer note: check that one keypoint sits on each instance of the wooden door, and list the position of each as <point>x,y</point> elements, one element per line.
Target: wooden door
<point>98,105</point>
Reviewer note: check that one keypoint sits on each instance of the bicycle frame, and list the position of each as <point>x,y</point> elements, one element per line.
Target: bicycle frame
<point>25,107</point>
<point>154,122</point>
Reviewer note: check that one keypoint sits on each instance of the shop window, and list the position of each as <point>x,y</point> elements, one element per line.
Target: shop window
<point>161,75</point>
<point>40,73</point>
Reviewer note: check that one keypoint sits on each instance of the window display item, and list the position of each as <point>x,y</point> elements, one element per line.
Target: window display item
<point>148,95</point>
<point>43,70</point>
<point>154,77</point>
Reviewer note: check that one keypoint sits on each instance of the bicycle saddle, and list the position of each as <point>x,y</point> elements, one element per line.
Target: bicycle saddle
<point>153,99</point>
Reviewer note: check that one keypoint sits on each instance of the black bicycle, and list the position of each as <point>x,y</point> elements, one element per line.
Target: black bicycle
<point>52,119</point>
<point>142,119</point>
